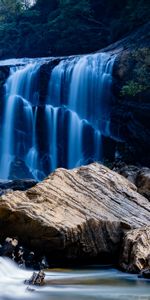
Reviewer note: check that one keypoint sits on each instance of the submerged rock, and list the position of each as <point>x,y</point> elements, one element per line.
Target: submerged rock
<point>75,215</point>
<point>136,250</point>
<point>146,273</point>
<point>36,279</point>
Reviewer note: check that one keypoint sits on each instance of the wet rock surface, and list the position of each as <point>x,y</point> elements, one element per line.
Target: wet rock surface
<point>12,249</point>
<point>36,279</point>
<point>75,215</point>
<point>146,273</point>
<point>16,185</point>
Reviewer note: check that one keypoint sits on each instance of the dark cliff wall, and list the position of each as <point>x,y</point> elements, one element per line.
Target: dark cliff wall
<point>130,115</point>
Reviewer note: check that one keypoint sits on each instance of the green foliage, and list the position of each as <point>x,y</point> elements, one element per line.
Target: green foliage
<point>62,27</point>
<point>9,9</point>
<point>132,88</point>
<point>140,73</point>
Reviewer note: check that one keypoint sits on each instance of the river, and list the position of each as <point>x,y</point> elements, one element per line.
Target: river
<point>91,283</point>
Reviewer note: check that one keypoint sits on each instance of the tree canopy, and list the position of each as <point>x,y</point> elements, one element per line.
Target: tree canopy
<point>62,27</point>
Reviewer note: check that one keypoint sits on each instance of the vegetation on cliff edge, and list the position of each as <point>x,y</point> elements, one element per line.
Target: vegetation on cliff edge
<point>140,73</point>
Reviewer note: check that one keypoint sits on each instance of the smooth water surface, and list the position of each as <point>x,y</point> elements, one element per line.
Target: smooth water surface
<point>91,283</point>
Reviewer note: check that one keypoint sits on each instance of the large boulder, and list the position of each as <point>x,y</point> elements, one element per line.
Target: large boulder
<point>75,214</point>
<point>140,176</point>
<point>136,250</point>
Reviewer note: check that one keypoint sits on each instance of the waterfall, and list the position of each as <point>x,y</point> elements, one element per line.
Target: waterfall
<point>32,160</point>
<point>66,129</point>
<point>75,155</point>
<point>21,93</point>
<point>90,87</point>
<point>51,118</point>
<point>82,86</point>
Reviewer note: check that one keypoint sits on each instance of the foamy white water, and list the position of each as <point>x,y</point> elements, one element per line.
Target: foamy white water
<point>11,281</point>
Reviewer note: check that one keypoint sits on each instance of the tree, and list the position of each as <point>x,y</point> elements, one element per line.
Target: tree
<point>26,4</point>
<point>9,9</point>
<point>64,27</point>
<point>12,8</point>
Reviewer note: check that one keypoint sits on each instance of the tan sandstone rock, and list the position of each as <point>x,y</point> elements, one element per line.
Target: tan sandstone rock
<point>136,250</point>
<point>75,214</point>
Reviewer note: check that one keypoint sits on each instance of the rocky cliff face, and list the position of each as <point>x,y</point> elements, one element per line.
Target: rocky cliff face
<point>131,108</point>
<point>75,215</point>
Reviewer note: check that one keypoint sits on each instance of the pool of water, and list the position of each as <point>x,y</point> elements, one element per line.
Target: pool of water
<point>92,283</point>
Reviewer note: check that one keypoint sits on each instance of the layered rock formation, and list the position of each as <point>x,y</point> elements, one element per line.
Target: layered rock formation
<point>136,250</point>
<point>139,176</point>
<point>75,215</point>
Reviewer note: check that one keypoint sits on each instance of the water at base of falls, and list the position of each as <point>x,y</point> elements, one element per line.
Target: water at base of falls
<point>64,131</point>
<point>94,282</point>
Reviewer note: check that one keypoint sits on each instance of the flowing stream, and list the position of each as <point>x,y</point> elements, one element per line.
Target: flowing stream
<point>65,128</point>
<point>94,282</point>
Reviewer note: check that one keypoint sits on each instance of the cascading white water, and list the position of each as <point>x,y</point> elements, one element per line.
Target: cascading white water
<point>64,130</point>
<point>11,281</point>
<point>20,91</point>
<point>75,156</point>
<point>91,86</point>
<point>82,85</point>
<point>7,147</point>
<point>52,117</point>
<point>32,160</point>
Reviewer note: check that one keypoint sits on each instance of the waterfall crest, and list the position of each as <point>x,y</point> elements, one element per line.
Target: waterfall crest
<point>64,131</point>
